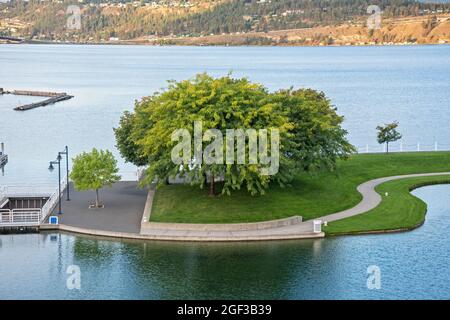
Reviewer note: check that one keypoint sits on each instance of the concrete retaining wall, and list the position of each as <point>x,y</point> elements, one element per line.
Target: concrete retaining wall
<point>187,236</point>
<point>221,226</point>
<point>147,225</point>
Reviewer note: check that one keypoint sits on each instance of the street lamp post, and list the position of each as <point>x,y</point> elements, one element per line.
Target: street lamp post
<point>50,168</point>
<point>66,153</point>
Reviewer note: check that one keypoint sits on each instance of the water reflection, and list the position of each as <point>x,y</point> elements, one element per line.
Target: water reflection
<point>183,270</point>
<point>413,265</point>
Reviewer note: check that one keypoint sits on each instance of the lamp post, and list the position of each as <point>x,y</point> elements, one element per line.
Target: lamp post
<point>66,153</point>
<point>50,168</point>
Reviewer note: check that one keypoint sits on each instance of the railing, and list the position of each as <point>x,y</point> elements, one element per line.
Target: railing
<point>29,216</point>
<point>52,201</point>
<point>404,147</point>
<point>20,217</point>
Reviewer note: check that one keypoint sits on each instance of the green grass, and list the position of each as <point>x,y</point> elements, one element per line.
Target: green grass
<point>399,210</point>
<point>310,196</point>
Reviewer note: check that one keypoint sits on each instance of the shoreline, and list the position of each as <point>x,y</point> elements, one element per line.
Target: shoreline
<point>126,43</point>
<point>296,231</point>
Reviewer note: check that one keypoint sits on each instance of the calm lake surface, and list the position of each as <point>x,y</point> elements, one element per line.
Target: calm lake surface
<point>413,265</point>
<point>368,85</point>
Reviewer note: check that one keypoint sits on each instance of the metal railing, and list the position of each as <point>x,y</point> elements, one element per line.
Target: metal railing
<point>29,216</point>
<point>52,201</point>
<point>20,217</point>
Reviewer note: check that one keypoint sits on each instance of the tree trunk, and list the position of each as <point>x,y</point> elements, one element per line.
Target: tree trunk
<point>97,202</point>
<point>387,147</point>
<point>212,191</point>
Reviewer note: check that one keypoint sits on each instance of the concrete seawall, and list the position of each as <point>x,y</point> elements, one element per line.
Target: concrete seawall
<point>148,226</point>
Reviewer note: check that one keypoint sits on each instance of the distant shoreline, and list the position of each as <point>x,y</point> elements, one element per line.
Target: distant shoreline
<point>130,43</point>
<point>406,31</point>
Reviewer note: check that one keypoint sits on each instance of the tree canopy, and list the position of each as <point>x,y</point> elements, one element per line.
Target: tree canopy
<point>94,170</point>
<point>308,127</point>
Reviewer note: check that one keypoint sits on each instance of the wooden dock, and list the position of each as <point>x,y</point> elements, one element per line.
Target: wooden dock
<point>43,103</point>
<point>36,93</point>
<point>53,97</point>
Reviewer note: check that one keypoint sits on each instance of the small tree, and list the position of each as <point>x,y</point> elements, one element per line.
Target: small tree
<point>93,171</point>
<point>388,133</point>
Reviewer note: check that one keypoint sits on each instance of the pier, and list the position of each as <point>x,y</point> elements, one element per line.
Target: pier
<point>53,97</point>
<point>43,103</point>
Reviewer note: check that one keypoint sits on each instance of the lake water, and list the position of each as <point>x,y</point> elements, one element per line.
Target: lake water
<point>413,265</point>
<point>368,85</point>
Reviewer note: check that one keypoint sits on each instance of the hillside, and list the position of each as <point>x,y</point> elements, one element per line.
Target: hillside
<point>428,29</point>
<point>228,22</point>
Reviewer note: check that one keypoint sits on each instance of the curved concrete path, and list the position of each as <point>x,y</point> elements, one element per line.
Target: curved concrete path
<point>303,230</point>
<point>371,199</point>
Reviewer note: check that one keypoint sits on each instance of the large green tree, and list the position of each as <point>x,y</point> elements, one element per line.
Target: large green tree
<point>306,123</point>
<point>93,171</point>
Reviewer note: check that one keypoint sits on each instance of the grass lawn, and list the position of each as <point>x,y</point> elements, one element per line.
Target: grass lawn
<point>399,210</point>
<point>310,195</point>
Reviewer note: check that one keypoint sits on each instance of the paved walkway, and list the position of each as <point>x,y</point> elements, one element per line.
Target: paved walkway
<point>371,199</point>
<point>119,219</point>
<point>124,204</point>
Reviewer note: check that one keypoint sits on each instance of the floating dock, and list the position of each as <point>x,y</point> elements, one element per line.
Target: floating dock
<point>43,103</point>
<point>53,97</point>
